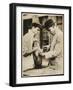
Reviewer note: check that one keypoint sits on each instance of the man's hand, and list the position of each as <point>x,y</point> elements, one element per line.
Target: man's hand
<point>42,54</point>
<point>47,55</point>
<point>26,54</point>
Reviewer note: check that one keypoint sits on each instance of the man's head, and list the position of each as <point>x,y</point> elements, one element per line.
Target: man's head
<point>50,26</point>
<point>36,27</point>
<point>35,30</point>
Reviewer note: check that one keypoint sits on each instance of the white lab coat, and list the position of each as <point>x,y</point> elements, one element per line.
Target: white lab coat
<point>27,42</point>
<point>56,49</point>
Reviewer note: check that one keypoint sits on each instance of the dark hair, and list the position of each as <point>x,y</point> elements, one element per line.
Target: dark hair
<point>37,25</point>
<point>49,23</point>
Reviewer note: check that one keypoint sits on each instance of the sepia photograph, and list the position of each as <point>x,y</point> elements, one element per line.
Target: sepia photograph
<point>42,44</point>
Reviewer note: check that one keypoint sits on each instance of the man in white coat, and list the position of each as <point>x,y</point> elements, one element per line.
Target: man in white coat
<point>27,46</point>
<point>55,55</point>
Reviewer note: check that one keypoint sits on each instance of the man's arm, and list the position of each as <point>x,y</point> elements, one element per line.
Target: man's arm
<point>53,42</point>
<point>53,53</point>
<point>30,52</point>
